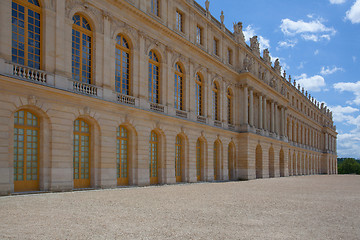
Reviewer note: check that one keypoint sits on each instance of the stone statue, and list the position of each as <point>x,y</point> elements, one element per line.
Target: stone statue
<point>289,78</point>
<point>222,17</point>
<point>207,5</point>
<point>294,83</point>
<point>238,32</point>
<point>277,66</point>
<point>254,44</point>
<point>284,74</point>
<point>266,56</point>
<point>247,63</point>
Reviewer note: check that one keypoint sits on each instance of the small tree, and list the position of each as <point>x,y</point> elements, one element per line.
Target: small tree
<point>349,166</point>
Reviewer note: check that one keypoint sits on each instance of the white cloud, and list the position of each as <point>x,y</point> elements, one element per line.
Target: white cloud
<point>354,59</point>
<point>301,66</point>
<point>315,83</point>
<point>341,114</point>
<point>314,30</point>
<point>316,52</point>
<point>348,145</point>
<point>287,43</point>
<point>354,13</point>
<point>350,87</point>
<point>328,70</point>
<point>249,32</point>
<point>337,1</point>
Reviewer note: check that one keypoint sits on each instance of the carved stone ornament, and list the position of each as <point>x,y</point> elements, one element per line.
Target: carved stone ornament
<point>207,5</point>
<point>222,17</point>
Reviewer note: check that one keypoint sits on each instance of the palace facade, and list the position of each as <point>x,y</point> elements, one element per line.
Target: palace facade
<point>99,94</point>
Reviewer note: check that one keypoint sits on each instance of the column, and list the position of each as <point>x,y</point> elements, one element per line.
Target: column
<point>272,128</point>
<point>264,114</point>
<point>246,113</point>
<point>251,108</point>
<point>290,131</point>
<point>260,112</point>
<point>282,122</point>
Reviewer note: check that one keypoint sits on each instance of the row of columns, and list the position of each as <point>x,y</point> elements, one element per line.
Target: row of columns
<point>249,113</point>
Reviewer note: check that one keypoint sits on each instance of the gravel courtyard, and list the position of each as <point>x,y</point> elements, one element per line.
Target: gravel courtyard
<point>306,207</point>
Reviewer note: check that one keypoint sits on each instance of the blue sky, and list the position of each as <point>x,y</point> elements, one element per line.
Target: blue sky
<point>318,44</point>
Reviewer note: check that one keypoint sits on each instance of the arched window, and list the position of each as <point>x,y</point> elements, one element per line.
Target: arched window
<point>26,33</point>
<point>229,97</point>
<point>122,155</point>
<point>198,95</point>
<point>154,77</point>
<point>216,106</point>
<point>179,87</point>
<point>81,159</point>
<point>26,151</point>
<point>178,158</point>
<point>81,50</point>
<point>198,160</point>
<point>122,66</point>
<point>153,155</point>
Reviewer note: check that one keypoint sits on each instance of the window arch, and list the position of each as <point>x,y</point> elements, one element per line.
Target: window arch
<point>82,149</point>
<point>229,97</point>
<point>153,155</point>
<point>26,33</point>
<point>81,50</point>
<point>154,77</point>
<point>179,87</point>
<point>122,66</point>
<point>199,95</point>
<point>216,105</point>
<point>179,147</point>
<point>122,156</point>
<point>26,151</point>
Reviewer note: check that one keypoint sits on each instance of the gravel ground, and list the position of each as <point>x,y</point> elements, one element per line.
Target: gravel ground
<point>307,207</point>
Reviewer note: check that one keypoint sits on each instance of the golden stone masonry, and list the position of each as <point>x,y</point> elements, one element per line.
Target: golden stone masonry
<point>103,93</point>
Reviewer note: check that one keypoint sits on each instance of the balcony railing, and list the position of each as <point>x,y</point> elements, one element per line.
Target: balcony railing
<point>217,123</point>
<point>125,99</point>
<point>181,114</point>
<point>157,107</point>
<point>30,74</point>
<point>84,88</point>
<point>201,119</point>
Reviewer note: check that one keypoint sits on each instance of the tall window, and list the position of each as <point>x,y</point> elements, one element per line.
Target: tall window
<point>153,158</point>
<point>199,39</point>
<point>179,87</point>
<point>122,66</point>
<point>154,69</point>
<point>122,163</point>
<point>216,106</point>
<point>81,159</point>
<point>229,106</point>
<point>26,39</point>
<point>229,56</point>
<point>178,159</point>
<point>81,50</point>
<point>198,160</point>
<point>179,21</point>
<point>216,47</point>
<point>198,95</point>
<point>216,159</point>
<point>155,7</point>
<point>26,151</point>
<point>231,163</point>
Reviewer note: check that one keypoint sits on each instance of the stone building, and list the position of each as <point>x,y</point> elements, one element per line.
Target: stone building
<point>97,94</point>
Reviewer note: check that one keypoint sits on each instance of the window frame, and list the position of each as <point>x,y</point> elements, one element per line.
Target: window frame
<point>128,51</point>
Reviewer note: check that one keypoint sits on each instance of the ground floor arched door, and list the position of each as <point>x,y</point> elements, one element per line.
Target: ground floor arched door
<point>26,151</point>
<point>81,159</point>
